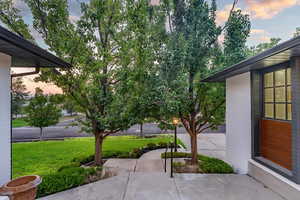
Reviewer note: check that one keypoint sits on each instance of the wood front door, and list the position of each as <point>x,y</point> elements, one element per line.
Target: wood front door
<point>275,125</point>
<point>276,142</point>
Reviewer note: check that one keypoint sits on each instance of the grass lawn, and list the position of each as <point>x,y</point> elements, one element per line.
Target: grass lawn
<point>19,123</point>
<point>42,158</point>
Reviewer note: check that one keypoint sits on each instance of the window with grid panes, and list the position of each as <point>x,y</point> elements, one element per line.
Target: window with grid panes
<point>277,94</point>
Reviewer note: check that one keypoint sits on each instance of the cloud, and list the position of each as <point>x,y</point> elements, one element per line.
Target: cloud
<point>264,39</point>
<point>260,35</point>
<point>257,31</point>
<point>222,15</point>
<point>258,9</point>
<point>266,9</point>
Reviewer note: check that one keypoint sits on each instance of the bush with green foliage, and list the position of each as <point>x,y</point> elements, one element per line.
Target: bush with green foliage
<point>213,165</point>
<point>206,164</point>
<point>66,177</point>
<point>60,181</point>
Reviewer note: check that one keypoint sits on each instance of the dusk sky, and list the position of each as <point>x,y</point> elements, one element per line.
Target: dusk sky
<point>269,18</point>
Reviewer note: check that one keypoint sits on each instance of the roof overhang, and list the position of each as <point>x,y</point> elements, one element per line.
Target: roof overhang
<point>276,55</point>
<point>27,54</point>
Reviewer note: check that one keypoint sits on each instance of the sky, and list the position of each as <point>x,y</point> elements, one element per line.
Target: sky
<point>269,18</point>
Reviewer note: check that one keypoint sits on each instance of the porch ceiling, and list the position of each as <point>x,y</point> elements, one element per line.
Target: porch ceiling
<point>276,55</point>
<point>25,53</point>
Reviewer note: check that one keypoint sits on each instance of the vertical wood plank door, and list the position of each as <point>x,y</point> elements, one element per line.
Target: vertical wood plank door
<point>276,142</point>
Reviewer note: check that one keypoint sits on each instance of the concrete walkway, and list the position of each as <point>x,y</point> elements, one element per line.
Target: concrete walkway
<point>144,179</point>
<point>149,162</point>
<point>159,186</point>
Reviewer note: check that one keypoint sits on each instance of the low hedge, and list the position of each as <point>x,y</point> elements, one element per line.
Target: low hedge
<point>206,164</point>
<point>66,177</point>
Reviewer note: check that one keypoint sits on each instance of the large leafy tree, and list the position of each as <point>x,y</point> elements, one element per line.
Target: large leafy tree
<point>101,46</point>
<point>192,52</point>
<point>10,16</point>
<point>41,111</point>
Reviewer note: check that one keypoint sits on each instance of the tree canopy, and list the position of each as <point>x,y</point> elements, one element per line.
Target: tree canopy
<point>192,52</point>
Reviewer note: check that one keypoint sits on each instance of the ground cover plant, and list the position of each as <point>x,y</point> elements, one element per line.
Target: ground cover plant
<point>206,164</point>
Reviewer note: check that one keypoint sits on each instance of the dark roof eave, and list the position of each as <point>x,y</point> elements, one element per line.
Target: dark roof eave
<point>245,66</point>
<point>27,46</point>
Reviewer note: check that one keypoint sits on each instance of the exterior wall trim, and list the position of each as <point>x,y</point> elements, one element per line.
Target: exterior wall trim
<point>256,114</point>
<point>295,64</point>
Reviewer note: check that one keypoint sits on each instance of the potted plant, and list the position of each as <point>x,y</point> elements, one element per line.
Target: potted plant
<point>23,188</point>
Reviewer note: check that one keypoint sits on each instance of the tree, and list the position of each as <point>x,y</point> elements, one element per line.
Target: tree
<point>42,112</point>
<point>99,46</point>
<point>69,105</point>
<point>297,33</point>
<point>263,46</point>
<point>19,95</point>
<point>190,55</point>
<point>10,16</point>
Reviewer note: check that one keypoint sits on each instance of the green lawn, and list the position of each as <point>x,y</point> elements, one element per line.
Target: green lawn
<point>42,158</point>
<point>19,123</point>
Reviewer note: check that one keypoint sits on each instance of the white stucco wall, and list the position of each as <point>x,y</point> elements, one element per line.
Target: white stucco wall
<point>5,148</point>
<point>238,122</point>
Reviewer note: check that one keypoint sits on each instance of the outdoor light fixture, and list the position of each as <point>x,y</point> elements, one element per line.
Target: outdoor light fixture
<point>175,123</point>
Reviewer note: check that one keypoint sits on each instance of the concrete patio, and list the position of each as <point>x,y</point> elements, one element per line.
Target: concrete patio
<point>144,179</point>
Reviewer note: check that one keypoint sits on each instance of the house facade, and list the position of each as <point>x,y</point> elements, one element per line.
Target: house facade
<point>263,117</point>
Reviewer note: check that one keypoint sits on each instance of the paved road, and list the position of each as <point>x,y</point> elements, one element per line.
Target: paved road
<point>61,131</point>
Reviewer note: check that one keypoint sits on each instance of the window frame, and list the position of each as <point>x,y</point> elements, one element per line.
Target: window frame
<point>273,87</point>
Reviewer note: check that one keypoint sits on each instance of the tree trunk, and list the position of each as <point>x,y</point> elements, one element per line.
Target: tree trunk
<point>98,149</point>
<point>194,149</point>
<point>141,130</point>
<point>41,134</point>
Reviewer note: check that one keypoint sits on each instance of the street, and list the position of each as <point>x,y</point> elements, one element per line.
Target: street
<point>60,131</point>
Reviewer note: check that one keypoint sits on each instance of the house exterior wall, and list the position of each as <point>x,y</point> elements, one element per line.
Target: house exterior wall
<point>238,122</point>
<point>5,126</point>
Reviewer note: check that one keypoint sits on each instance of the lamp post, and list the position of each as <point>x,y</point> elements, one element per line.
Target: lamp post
<point>175,123</point>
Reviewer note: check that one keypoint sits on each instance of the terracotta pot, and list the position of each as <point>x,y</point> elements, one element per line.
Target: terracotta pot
<point>23,188</point>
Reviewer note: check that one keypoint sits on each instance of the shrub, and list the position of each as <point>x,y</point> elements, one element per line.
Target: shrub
<point>66,178</point>
<point>162,144</point>
<point>124,155</point>
<point>176,155</point>
<point>83,159</point>
<point>151,146</point>
<point>213,165</point>
<point>178,164</point>
<point>206,164</point>
<point>57,182</point>
<point>71,165</point>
